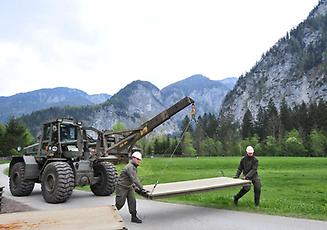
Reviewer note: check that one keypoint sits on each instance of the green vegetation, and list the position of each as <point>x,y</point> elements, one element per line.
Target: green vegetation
<point>118,126</point>
<point>291,186</point>
<point>12,135</point>
<point>297,131</point>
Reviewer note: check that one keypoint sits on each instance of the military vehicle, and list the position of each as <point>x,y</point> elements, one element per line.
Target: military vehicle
<point>68,155</point>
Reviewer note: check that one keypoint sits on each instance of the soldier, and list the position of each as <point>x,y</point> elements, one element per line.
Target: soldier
<point>249,167</point>
<point>127,181</point>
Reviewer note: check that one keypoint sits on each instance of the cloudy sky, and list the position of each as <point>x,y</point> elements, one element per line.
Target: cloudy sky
<point>100,46</point>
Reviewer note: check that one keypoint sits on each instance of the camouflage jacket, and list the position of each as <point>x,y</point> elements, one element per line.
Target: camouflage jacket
<point>249,167</point>
<point>128,177</point>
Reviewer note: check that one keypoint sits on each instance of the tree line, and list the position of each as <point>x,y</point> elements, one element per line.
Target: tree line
<point>284,131</point>
<point>272,131</point>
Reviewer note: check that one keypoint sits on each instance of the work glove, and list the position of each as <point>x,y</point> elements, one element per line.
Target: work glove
<point>142,192</point>
<point>145,193</point>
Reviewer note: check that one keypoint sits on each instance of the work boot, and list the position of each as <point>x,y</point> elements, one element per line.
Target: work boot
<point>235,200</point>
<point>135,219</point>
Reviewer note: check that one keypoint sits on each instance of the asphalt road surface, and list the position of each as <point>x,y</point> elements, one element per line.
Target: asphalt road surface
<point>158,215</point>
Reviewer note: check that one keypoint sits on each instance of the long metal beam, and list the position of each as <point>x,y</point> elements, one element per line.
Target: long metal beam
<point>191,186</point>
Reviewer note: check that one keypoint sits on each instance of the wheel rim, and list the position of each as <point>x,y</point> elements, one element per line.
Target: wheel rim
<point>50,183</point>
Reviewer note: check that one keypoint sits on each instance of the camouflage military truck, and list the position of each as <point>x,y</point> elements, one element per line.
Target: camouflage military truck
<point>69,154</point>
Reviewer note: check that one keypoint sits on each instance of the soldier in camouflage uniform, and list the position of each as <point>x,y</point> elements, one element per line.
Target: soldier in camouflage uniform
<point>249,167</point>
<point>127,181</point>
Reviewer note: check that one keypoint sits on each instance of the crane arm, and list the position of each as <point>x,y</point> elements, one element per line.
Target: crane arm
<point>132,136</point>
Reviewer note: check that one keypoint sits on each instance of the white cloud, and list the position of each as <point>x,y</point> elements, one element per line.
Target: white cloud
<point>100,46</point>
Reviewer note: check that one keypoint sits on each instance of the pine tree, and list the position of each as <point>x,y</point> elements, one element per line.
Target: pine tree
<point>2,138</point>
<point>198,134</point>
<point>185,124</point>
<point>322,115</point>
<point>228,133</point>
<point>156,147</point>
<point>305,123</point>
<point>285,118</point>
<point>272,120</point>
<point>16,135</point>
<point>247,125</point>
<point>260,124</point>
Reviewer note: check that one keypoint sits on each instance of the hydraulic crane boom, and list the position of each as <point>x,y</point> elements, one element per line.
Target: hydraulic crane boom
<point>132,136</point>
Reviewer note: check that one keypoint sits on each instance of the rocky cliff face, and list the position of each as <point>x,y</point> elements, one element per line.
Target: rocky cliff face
<point>295,68</point>
<point>134,104</point>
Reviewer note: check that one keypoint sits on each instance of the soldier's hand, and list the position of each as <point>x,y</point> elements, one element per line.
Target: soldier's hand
<point>137,190</point>
<point>145,193</point>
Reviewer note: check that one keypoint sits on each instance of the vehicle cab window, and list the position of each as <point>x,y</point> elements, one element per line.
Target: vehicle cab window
<point>68,133</point>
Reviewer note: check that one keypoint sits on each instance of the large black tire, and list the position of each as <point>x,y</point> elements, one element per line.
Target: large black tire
<point>107,179</point>
<point>17,183</point>
<point>57,182</point>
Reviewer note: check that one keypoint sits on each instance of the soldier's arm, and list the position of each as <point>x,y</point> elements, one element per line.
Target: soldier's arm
<point>239,170</point>
<point>253,170</point>
<point>132,174</point>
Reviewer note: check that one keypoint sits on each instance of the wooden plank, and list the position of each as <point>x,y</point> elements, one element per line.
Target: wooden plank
<point>191,186</point>
<point>98,218</point>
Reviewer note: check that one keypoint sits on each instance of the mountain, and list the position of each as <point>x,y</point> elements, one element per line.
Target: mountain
<point>208,94</point>
<point>229,82</point>
<point>294,69</point>
<point>139,101</point>
<point>25,103</point>
<point>134,104</point>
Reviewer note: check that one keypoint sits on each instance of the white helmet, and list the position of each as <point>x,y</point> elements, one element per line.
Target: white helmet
<point>249,149</point>
<point>137,155</point>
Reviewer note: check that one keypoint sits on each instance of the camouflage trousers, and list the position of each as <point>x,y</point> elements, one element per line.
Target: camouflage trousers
<point>257,190</point>
<point>123,193</point>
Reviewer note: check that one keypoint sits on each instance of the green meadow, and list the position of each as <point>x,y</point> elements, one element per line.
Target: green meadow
<point>291,186</point>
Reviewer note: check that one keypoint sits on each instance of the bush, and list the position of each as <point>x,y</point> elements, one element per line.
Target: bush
<point>211,147</point>
<point>293,144</point>
<point>272,147</point>
<point>318,142</point>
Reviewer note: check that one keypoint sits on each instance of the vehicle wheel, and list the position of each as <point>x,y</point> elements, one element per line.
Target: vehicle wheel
<point>107,179</point>
<point>17,184</point>
<point>57,182</point>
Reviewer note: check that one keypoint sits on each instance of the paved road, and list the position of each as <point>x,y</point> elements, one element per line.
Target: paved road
<point>159,215</point>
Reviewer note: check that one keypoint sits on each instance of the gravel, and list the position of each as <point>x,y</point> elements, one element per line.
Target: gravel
<point>9,206</point>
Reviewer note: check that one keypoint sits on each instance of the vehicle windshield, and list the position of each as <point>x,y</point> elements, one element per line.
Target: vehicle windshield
<point>68,132</point>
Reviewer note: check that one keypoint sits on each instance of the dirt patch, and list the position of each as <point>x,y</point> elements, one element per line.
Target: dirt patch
<point>9,206</point>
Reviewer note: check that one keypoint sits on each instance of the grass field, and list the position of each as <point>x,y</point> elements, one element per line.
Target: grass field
<point>290,186</point>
